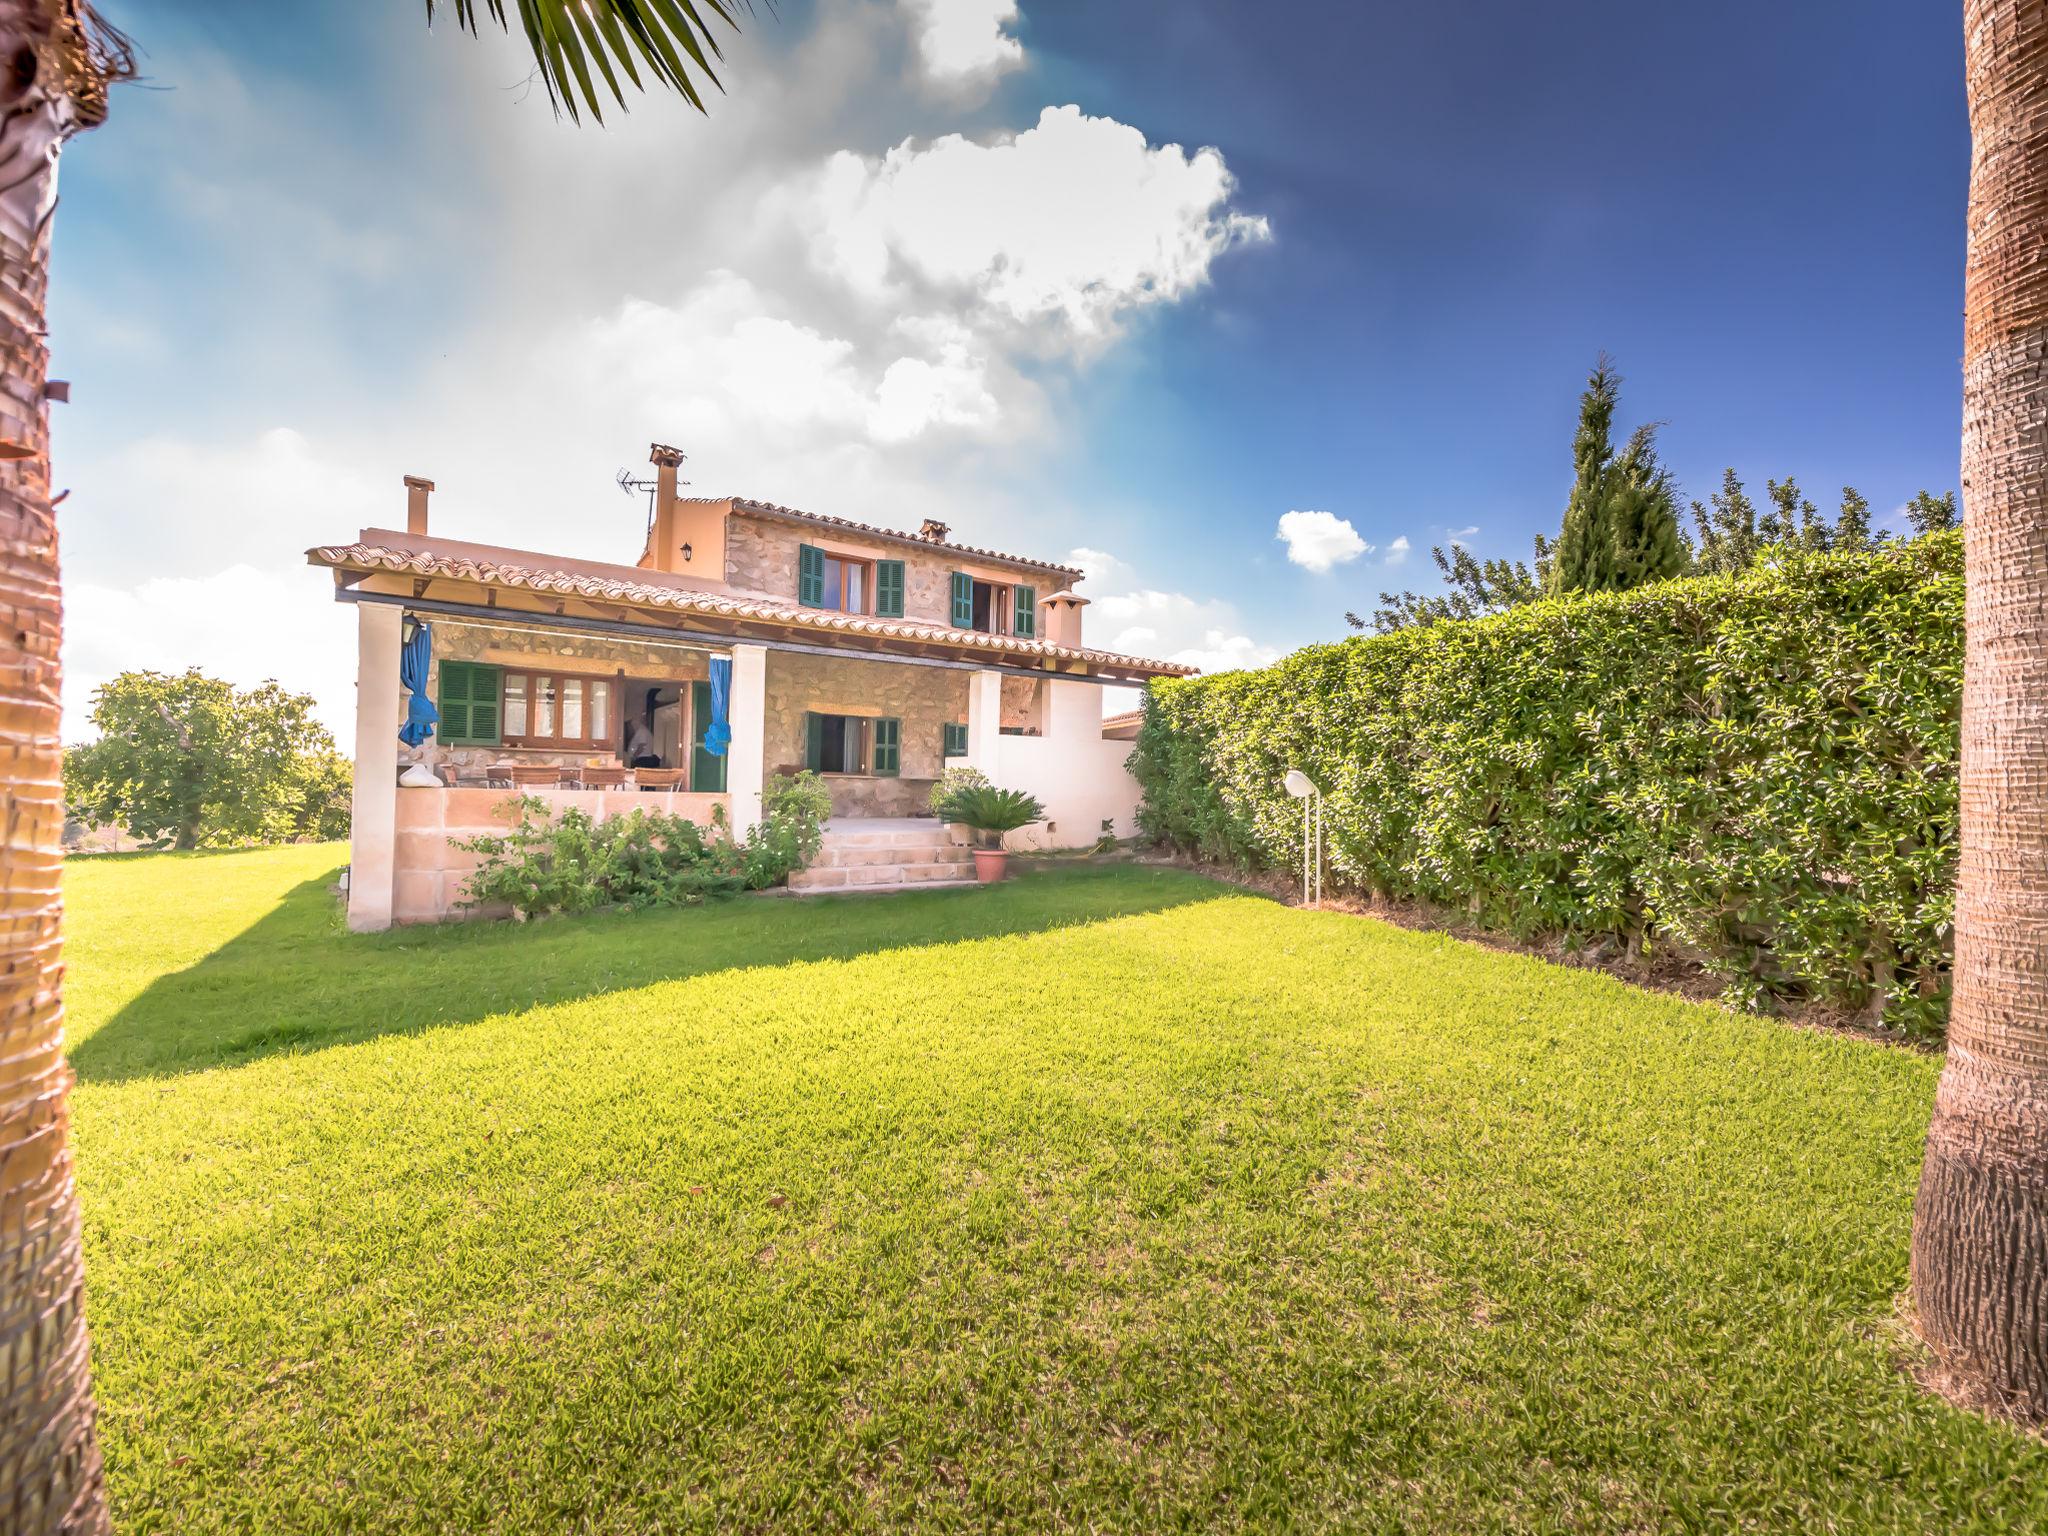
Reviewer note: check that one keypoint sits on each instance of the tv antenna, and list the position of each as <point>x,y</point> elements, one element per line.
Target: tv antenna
<point>627,483</point>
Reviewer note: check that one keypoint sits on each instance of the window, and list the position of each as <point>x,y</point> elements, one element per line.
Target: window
<point>955,743</point>
<point>549,709</point>
<point>978,604</point>
<point>992,608</point>
<point>837,582</point>
<point>851,744</point>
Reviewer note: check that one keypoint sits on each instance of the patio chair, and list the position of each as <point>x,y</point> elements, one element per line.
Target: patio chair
<point>604,778</point>
<point>499,775</point>
<point>658,778</point>
<point>536,776</point>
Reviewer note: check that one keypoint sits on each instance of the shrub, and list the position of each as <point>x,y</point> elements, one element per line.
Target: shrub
<point>985,809</point>
<point>574,863</point>
<point>949,783</point>
<point>1759,770</point>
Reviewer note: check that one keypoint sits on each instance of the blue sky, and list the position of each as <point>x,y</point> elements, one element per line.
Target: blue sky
<point>1138,281</point>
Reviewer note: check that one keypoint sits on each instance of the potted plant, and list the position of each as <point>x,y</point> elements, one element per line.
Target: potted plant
<point>991,812</point>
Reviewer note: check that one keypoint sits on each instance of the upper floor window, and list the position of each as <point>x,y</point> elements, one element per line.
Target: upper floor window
<point>848,584</point>
<point>993,607</point>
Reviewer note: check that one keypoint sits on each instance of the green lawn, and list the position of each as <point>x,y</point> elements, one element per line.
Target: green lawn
<point>1111,1199</point>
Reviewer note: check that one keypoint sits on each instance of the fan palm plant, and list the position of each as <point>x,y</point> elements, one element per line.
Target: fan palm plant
<point>60,58</point>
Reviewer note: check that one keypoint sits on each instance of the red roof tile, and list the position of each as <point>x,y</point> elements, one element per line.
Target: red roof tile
<point>641,594</point>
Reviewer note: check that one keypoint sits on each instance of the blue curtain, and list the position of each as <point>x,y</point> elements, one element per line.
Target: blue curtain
<point>718,734</point>
<point>414,658</point>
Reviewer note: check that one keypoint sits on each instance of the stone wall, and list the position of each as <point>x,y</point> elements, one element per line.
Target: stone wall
<point>430,874</point>
<point>761,556</point>
<point>925,699</point>
<point>589,655</point>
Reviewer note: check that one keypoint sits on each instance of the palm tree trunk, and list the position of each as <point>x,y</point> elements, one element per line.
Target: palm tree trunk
<point>52,82</point>
<point>1980,1229</point>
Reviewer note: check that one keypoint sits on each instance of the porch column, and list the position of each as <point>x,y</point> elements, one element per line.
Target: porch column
<point>984,722</point>
<point>747,713</point>
<point>373,808</point>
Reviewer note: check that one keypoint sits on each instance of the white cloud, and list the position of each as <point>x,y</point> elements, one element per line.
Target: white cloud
<point>1463,535</point>
<point>814,319</point>
<point>1397,552</point>
<point>1124,615</point>
<point>242,624</point>
<point>964,39</point>
<point>1317,541</point>
<point>1066,226</point>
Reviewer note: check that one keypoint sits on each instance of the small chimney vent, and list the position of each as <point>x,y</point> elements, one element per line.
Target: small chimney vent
<point>933,531</point>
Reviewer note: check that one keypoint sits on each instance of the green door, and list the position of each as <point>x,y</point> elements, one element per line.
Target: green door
<point>707,773</point>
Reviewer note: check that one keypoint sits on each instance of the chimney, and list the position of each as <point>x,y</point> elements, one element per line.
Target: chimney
<point>666,461</point>
<point>416,491</point>
<point>933,531</point>
<point>1063,619</point>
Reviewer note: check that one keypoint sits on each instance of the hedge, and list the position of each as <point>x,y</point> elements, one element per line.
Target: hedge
<point>1758,771</point>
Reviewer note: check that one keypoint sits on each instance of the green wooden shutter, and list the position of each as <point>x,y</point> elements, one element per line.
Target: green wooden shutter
<point>888,754</point>
<point>707,773</point>
<point>810,576</point>
<point>888,589</point>
<point>955,741</point>
<point>1024,612</point>
<point>963,600</point>
<point>469,704</point>
<point>814,741</point>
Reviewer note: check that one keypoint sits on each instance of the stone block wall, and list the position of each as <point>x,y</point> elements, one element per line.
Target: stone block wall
<point>925,699</point>
<point>761,556</point>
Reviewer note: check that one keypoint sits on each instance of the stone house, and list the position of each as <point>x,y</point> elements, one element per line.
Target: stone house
<point>872,656</point>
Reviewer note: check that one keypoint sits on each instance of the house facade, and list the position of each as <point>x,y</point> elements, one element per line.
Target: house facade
<point>788,639</point>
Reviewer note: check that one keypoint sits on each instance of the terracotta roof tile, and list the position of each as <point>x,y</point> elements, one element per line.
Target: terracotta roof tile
<point>377,557</point>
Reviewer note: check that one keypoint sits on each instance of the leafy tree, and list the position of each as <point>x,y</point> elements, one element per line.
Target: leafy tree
<point>1932,514</point>
<point>1621,523</point>
<point>1477,588</point>
<point>189,761</point>
<point>1727,542</point>
<point>1852,523</point>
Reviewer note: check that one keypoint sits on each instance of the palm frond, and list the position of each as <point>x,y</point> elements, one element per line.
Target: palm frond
<point>583,46</point>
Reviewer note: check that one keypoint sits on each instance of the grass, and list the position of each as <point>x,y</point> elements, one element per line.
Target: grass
<point>1112,1199</point>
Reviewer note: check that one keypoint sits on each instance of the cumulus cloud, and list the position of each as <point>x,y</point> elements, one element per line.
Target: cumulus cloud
<point>1317,541</point>
<point>1397,552</point>
<point>244,624</point>
<point>963,40</point>
<point>1067,226</point>
<point>821,320</point>
<point>1139,620</point>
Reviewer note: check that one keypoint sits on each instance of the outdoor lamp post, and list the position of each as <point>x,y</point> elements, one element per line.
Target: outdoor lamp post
<point>1303,788</point>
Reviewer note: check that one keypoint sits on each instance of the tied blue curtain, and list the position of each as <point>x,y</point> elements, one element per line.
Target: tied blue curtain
<point>718,734</point>
<point>414,658</point>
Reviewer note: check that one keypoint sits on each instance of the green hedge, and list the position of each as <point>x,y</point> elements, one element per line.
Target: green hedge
<point>1759,769</point>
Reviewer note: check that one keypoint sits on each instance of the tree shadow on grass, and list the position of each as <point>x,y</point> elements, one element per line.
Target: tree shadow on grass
<point>297,981</point>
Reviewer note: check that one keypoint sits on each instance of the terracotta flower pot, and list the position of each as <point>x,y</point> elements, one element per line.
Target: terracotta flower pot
<point>990,864</point>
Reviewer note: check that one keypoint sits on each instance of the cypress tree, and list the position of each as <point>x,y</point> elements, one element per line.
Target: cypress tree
<point>1621,522</point>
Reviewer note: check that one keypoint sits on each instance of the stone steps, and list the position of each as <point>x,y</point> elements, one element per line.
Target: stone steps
<point>880,855</point>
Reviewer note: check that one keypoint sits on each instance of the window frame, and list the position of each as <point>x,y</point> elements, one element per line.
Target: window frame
<point>610,742</point>
<point>812,578</point>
